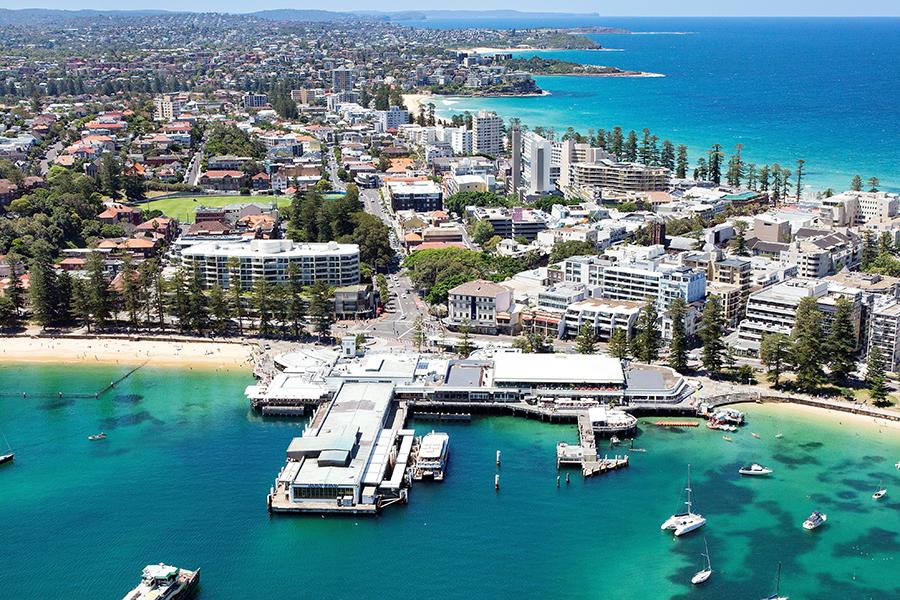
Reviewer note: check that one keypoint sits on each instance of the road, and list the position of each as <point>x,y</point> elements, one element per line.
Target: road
<point>336,183</point>
<point>192,174</point>
<point>52,152</point>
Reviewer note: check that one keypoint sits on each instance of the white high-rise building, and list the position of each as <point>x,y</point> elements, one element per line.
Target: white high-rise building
<point>461,140</point>
<point>536,158</point>
<point>393,118</point>
<point>487,133</point>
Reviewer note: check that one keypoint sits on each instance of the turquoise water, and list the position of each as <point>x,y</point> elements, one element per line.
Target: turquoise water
<point>183,475</point>
<point>824,90</point>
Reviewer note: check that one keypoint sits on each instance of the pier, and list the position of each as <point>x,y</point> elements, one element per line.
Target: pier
<point>585,454</point>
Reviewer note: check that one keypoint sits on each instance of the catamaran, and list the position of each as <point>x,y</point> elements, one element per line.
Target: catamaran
<point>685,522</point>
<point>777,595</point>
<point>703,574</point>
<point>755,469</point>
<point>879,493</point>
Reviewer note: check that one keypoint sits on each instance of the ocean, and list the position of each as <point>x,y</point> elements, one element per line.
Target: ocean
<point>183,475</point>
<point>825,90</point>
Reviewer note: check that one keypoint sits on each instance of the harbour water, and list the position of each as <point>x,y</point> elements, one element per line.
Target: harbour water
<point>183,474</point>
<point>823,90</point>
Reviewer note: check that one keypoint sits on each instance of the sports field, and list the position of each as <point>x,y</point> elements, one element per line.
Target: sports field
<point>183,208</point>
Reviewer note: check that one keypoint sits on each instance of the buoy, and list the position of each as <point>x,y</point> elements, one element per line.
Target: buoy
<point>498,457</point>
<point>567,479</point>
<point>557,481</point>
<point>497,481</point>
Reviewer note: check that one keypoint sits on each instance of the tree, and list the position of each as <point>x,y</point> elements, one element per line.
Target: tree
<point>296,308</point>
<point>667,155</point>
<point>739,243</point>
<point>630,148</point>
<point>841,343</point>
<point>875,377</point>
<point>321,308</point>
<point>678,344</point>
<point>130,291</point>
<point>885,243</point>
<point>586,340</point>
<point>465,347</point>
<point>134,186</point>
<point>262,302</point>
<point>482,231</point>
<point>735,167</point>
<point>97,291</point>
<point>618,344</point>
<point>15,292</point>
<point>9,317</point>
<point>110,175</point>
<point>715,164</point>
<point>856,183</point>
<point>712,326</point>
<point>799,184</point>
<point>219,310</point>
<point>235,291</point>
<point>869,250</point>
<point>418,333</point>
<point>873,184</point>
<point>808,351</point>
<point>681,162</point>
<point>565,249</point>
<point>647,342</point>
<point>179,299</point>
<point>775,353</point>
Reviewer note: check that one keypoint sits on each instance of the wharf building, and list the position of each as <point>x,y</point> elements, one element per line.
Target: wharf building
<point>356,453</point>
<point>335,264</point>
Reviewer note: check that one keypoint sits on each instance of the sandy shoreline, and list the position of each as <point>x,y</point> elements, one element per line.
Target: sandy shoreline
<point>805,411</point>
<point>59,350</point>
<point>414,101</point>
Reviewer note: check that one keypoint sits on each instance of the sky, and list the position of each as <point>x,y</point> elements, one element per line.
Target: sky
<point>606,8</point>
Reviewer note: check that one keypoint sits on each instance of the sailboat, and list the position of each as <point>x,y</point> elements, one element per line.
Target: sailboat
<point>8,456</point>
<point>704,574</point>
<point>879,493</point>
<point>688,521</point>
<point>777,595</point>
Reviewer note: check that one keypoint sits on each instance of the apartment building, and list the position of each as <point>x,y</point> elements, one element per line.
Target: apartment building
<point>588,179</point>
<point>341,80</point>
<point>536,157</point>
<point>252,100</point>
<point>818,253</point>
<point>392,118</point>
<point>487,133</point>
<point>856,208</point>
<point>604,317</point>
<point>335,264</point>
<point>481,306</point>
<point>884,332</point>
<point>512,223</point>
<point>774,310</point>
<point>420,196</point>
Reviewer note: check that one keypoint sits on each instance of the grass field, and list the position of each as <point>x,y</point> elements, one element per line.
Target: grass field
<point>183,208</point>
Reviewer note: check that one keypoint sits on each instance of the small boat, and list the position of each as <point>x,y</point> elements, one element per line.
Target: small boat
<point>777,595</point>
<point>778,436</point>
<point>816,519</point>
<point>879,493</point>
<point>5,458</point>
<point>703,574</point>
<point>614,440</point>
<point>164,582</point>
<point>434,451</point>
<point>755,469</point>
<point>685,522</point>
<point>98,436</point>
<point>756,435</point>
<point>897,465</point>
<point>726,438</point>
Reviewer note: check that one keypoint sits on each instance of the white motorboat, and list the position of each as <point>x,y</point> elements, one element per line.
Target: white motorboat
<point>879,493</point>
<point>682,523</point>
<point>816,519</point>
<point>703,574</point>
<point>164,582</point>
<point>777,595</point>
<point>755,469</point>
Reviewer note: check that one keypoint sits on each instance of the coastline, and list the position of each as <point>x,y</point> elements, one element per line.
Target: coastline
<point>635,74</point>
<point>821,414</point>
<point>124,351</point>
<point>414,101</point>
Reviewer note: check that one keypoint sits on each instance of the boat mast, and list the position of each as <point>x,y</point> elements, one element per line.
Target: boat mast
<point>708,562</point>
<point>688,488</point>
<point>778,579</point>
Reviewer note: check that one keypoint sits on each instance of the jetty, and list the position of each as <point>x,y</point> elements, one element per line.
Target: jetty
<point>585,454</point>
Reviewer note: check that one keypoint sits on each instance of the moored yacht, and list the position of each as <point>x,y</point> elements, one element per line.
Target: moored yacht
<point>5,458</point>
<point>879,493</point>
<point>164,582</point>
<point>755,469</point>
<point>777,595</point>
<point>704,574</point>
<point>688,521</point>
<point>816,519</point>
<point>433,454</point>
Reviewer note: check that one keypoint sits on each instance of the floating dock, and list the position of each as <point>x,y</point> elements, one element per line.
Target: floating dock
<point>585,453</point>
<point>677,424</point>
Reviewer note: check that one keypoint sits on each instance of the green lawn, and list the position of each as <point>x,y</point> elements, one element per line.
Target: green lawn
<point>183,208</point>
